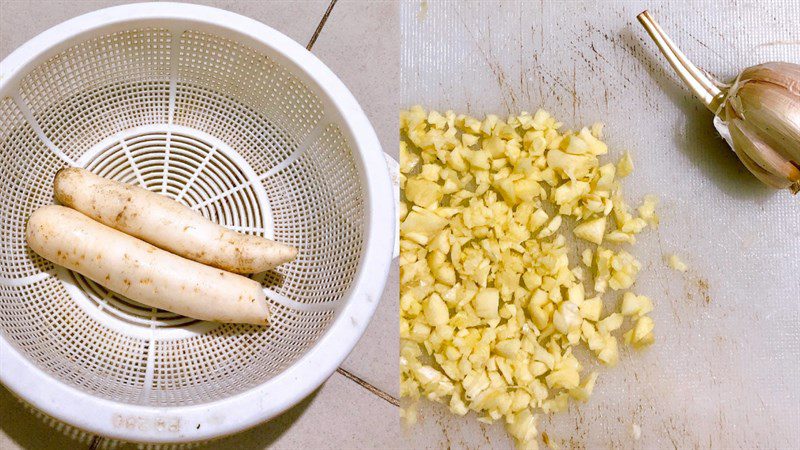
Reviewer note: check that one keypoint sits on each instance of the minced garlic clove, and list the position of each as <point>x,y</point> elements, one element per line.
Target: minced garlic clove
<point>647,210</point>
<point>591,231</point>
<point>492,306</point>
<point>676,263</point>
<point>641,335</point>
<point>625,165</point>
<point>486,303</point>
<point>635,305</point>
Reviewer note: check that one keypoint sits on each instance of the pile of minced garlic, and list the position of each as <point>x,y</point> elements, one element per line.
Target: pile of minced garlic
<point>491,304</point>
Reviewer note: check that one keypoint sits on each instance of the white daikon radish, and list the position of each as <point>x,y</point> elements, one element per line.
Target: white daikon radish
<point>167,224</point>
<point>143,272</point>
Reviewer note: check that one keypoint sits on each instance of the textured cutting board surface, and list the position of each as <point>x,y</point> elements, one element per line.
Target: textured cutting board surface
<point>722,373</point>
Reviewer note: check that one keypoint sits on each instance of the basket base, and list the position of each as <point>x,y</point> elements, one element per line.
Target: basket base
<point>193,168</point>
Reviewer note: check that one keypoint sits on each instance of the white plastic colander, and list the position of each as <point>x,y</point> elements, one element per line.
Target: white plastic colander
<point>235,120</point>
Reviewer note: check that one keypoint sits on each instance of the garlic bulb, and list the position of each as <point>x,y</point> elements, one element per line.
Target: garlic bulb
<point>758,114</point>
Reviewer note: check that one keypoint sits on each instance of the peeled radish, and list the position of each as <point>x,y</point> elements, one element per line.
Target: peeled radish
<point>166,223</point>
<point>143,272</point>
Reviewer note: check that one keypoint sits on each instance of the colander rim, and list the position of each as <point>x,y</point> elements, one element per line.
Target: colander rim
<point>265,401</point>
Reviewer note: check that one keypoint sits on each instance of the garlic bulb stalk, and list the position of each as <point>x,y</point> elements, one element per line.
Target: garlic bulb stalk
<point>758,114</point>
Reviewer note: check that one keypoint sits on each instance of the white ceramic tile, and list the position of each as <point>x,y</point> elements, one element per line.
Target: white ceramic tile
<point>721,372</point>
<point>339,415</point>
<point>375,357</point>
<point>22,429</point>
<point>360,44</point>
<point>21,20</point>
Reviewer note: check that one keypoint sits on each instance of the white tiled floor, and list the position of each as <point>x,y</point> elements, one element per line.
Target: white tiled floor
<point>359,42</point>
<point>21,20</point>
<point>367,58</point>
<point>318,422</point>
<point>21,428</point>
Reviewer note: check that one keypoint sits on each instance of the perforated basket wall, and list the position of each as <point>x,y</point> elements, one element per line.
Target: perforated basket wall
<point>216,125</point>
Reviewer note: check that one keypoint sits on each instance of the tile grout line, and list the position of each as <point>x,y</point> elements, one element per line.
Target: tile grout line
<point>96,441</point>
<point>320,25</point>
<point>347,374</point>
<point>366,385</point>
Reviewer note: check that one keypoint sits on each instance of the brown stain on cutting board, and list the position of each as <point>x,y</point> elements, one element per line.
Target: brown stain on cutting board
<point>508,96</point>
<point>777,43</point>
<point>702,287</point>
<point>697,290</point>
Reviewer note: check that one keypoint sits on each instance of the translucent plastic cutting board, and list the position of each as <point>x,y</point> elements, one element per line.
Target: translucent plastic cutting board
<point>723,371</point>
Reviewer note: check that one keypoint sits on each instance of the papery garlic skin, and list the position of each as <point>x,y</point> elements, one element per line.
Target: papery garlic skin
<point>762,113</point>
<point>758,114</point>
